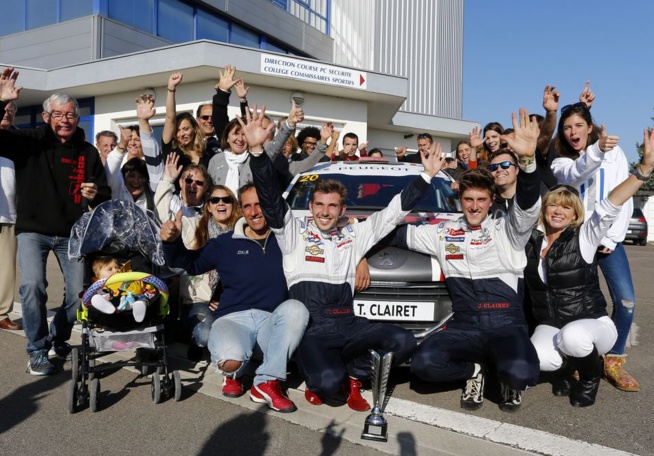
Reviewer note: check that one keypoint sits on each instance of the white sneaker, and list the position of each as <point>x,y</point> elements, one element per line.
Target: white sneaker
<point>102,305</point>
<point>138,310</point>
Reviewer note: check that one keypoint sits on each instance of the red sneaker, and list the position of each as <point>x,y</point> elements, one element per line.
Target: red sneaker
<point>271,393</point>
<point>311,397</point>
<point>351,389</point>
<point>232,387</point>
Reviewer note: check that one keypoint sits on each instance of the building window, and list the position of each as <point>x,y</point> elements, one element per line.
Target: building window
<point>243,37</point>
<point>12,18</point>
<point>175,21</point>
<point>316,13</point>
<point>137,14</point>
<point>39,13</point>
<point>72,9</point>
<point>211,27</point>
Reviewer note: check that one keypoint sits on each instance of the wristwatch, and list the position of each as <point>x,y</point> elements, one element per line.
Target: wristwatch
<point>640,176</point>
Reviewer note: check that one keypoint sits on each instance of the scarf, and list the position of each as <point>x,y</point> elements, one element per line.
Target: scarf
<point>215,230</point>
<point>234,163</point>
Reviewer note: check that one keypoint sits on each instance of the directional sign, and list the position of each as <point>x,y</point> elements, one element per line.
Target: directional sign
<point>276,65</point>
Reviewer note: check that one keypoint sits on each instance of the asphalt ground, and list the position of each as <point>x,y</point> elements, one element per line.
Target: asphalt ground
<point>619,420</point>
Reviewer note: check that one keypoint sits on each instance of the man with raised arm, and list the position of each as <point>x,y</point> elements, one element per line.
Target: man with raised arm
<point>58,176</point>
<point>320,259</point>
<point>483,259</point>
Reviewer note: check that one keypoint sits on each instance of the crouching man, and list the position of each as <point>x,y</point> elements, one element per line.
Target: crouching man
<point>254,311</point>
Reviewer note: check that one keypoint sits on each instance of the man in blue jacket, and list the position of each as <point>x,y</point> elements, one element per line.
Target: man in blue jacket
<point>254,308</point>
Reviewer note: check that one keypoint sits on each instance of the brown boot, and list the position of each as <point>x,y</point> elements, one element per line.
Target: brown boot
<point>616,375</point>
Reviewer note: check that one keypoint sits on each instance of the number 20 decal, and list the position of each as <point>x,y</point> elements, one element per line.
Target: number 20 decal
<point>309,178</point>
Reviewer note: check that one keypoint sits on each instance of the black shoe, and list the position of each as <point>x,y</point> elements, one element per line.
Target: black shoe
<point>472,397</point>
<point>590,373</point>
<point>562,383</point>
<point>511,399</point>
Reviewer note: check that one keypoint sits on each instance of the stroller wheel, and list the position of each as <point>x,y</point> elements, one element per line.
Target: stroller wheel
<point>71,397</point>
<point>94,395</point>
<point>156,388</point>
<point>177,380</point>
<point>74,363</point>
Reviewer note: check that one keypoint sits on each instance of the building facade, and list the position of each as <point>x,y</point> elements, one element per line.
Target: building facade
<point>383,69</point>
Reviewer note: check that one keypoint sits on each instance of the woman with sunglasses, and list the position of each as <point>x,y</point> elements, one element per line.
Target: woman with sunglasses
<point>590,160</point>
<point>220,213</point>
<point>561,274</point>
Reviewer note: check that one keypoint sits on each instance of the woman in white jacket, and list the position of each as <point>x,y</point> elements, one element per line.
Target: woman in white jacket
<point>591,160</point>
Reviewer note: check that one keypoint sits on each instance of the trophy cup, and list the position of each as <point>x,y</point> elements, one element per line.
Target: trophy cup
<point>376,427</point>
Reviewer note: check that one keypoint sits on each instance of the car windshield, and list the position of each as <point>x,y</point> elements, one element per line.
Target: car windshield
<point>375,192</point>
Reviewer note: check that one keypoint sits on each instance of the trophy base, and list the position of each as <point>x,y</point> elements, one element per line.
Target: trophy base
<point>375,432</point>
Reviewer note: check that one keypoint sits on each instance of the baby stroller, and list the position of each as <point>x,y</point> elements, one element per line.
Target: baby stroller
<point>122,230</point>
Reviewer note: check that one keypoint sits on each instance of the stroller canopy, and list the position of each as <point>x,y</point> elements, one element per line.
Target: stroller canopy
<point>115,226</point>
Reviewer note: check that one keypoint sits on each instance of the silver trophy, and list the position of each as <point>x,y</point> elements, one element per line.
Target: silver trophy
<point>376,427</point>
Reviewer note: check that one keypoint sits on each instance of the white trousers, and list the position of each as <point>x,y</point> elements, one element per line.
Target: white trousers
<point>575,339</point>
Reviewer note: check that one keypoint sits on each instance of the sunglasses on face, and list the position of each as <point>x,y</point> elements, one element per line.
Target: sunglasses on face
<point>504,165</point>
<point>189,181</point>
<point>577,105</point>
<point>205,118</point>
<point>569,188</point>
<point>224,199</point>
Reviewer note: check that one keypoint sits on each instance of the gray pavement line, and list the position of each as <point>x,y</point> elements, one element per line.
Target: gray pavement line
<point>401,415</point>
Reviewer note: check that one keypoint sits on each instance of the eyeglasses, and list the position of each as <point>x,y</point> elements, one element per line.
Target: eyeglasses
<point>311,144</point>
<point>504,165</point>
<point>205,118</point>
<point>189,181</point>
<point>56,115</point>
<point>567,187</point>
<point>578,105</point>
<point>224,199</point>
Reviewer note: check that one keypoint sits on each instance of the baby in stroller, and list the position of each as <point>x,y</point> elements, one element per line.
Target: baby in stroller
<point>134,296</point>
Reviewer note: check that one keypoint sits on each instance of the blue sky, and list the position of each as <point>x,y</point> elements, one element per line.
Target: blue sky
<point>513,48</point>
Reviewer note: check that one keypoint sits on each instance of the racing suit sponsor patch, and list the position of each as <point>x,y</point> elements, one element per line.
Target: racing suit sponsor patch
<point>314,259</point>
<point>458,256</point>
<point>451,248</point>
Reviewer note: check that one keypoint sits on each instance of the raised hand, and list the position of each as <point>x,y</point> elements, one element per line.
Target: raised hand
<point>550,99</point>
<point>174,80</point>
<point>525,137</point>
<point>125,136</point>
<point>400,152</point>
<point>475,138</point>
<point>8,90</point>
<point>647,164</point>
<point>587,96</point>
<point>145,107</point>
<point>326,131</point>
<point>433,161</point>
<point>295,115</point>
<point>226,79</point>
<point>241,89</point>
<point>172,170</point>
<point>607,142</point>
<point>171,229</point>
<point>254,132</point>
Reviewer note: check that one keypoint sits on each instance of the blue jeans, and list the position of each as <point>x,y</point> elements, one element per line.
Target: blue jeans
<point>235,336</point>
<point>200,319</point>
<point>615,268</point>
<point>33,250</point>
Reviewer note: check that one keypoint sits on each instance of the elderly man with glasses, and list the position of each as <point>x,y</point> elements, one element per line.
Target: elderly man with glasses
<point>58,177</point>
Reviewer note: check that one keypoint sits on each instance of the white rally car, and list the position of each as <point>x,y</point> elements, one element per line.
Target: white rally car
<point>407,288</point>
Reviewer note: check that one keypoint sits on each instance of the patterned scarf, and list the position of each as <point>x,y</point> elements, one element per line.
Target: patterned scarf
<point>215,230</point>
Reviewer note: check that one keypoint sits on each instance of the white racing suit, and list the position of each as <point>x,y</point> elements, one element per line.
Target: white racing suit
<point>320,272</point>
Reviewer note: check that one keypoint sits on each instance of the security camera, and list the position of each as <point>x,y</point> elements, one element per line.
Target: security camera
<point>298,98</point>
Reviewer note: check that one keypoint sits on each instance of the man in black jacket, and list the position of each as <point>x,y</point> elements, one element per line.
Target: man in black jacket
<point>58,176</point>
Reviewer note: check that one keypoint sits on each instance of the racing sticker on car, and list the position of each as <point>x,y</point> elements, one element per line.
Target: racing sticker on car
<point>309,178</point>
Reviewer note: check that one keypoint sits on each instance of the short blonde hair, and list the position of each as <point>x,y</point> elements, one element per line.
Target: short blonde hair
<point>102,261</point>
<point>564,195</point>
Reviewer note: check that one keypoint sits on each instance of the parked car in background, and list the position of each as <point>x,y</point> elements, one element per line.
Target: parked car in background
<point>407,288</point>
<point>637,231</point>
